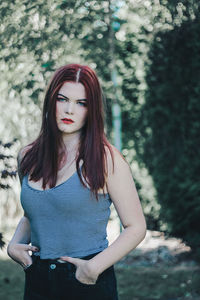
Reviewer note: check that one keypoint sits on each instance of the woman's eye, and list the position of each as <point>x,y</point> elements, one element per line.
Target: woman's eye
<point>82,103</point>
<point>64,100</point>
<point>61,99</point>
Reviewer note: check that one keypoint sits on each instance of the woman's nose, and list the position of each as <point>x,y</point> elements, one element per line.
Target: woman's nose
<point>69,107</point>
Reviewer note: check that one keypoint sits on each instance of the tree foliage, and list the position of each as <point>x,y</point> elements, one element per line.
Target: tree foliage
<point>170,126</point>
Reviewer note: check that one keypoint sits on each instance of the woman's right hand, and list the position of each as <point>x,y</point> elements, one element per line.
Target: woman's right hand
<point>19,253</point>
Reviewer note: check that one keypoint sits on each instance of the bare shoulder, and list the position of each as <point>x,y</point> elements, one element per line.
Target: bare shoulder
<point>22,152</point>
<point>20,156</point>
<point>115,162</point>
<point>122,190</point>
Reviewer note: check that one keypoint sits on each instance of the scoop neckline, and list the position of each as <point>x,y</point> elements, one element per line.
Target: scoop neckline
<point>57,186</point>
<point>50,189</point>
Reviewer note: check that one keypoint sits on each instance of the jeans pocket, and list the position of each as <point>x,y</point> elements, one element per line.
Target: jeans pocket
<point>28,269</point>
<point>81,283</point>
<point>102,278</point>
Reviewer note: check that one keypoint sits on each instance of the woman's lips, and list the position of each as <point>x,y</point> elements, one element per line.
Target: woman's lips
<point>67,121</point>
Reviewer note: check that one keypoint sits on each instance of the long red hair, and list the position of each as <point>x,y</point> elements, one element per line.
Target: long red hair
<point>44,155</point>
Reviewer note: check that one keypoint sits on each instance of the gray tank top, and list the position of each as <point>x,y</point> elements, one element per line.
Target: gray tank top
<point>66,220</point>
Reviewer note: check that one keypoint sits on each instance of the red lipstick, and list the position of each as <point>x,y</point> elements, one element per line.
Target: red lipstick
<point>67,121</point>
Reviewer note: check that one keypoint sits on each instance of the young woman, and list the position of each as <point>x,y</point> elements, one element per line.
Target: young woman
<point>70,175</point>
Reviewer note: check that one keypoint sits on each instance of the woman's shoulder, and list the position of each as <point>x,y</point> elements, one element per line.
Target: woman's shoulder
<point>114,159</point>
<point>20,156</point>
<point>22,151</point>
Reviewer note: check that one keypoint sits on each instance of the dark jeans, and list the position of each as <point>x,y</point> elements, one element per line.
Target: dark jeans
<point>48,279</point>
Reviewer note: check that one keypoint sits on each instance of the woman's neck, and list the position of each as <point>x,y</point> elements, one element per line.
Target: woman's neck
<point>71,142</point>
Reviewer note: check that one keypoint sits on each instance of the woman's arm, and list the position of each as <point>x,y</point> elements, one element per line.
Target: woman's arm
<point>18,247</point>
<point>121,188</point>
<point>22,233</point>
<point>123,193</point>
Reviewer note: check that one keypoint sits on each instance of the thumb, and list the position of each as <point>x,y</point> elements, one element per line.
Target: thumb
<point>72,260</point>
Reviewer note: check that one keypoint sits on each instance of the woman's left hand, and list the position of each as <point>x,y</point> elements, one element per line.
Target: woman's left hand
<point>84,273</point>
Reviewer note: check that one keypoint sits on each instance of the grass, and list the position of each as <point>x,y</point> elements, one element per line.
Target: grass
<point>11,280</point>
<point>134,283</point>
<point>166,283</point>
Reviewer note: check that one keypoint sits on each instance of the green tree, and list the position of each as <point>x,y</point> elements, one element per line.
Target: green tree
<point>170,125</point>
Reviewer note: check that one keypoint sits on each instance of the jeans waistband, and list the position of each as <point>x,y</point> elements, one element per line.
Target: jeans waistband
<point>58,260</point>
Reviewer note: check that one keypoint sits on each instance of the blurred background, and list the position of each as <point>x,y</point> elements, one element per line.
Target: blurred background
<point>147,56</point>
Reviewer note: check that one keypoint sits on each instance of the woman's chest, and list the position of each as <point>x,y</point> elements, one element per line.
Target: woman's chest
<point>62,177</point>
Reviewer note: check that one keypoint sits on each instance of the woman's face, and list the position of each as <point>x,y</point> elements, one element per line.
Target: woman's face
<point>71,105</point>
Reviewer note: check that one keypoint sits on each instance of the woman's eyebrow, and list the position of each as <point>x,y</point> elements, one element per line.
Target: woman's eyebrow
<point>68,98</point>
